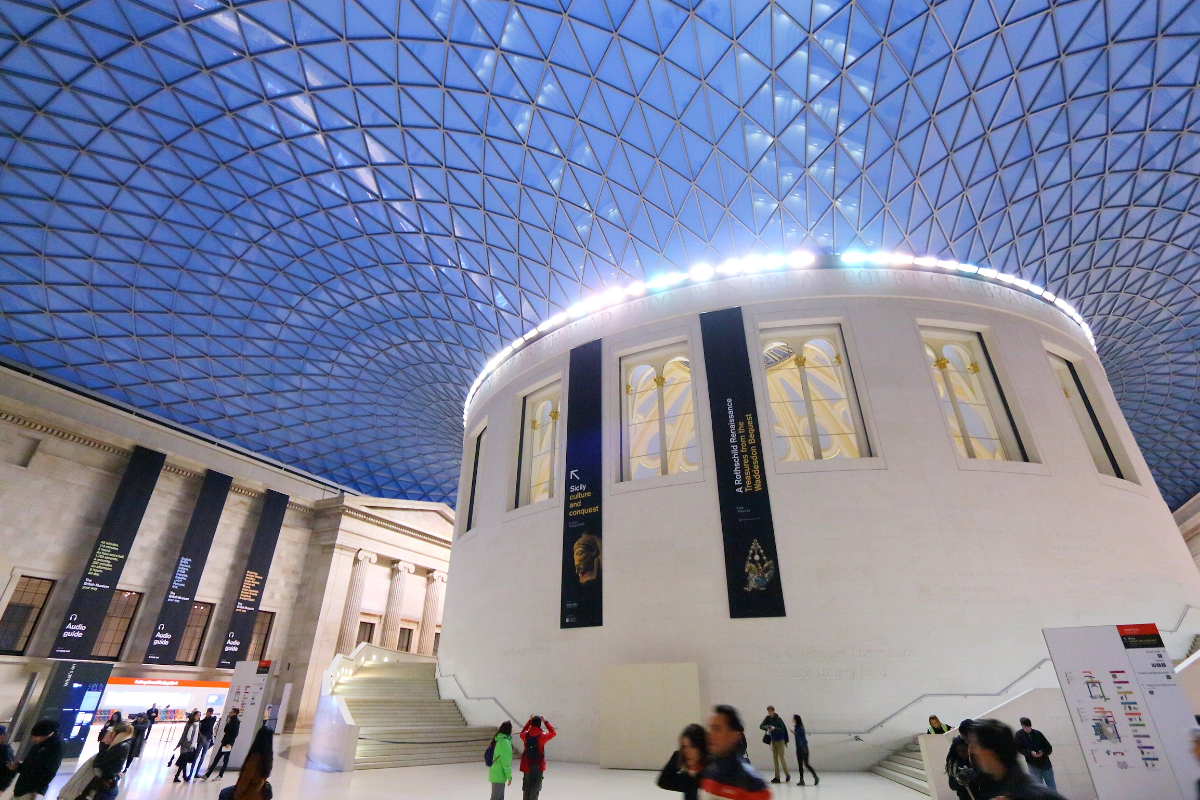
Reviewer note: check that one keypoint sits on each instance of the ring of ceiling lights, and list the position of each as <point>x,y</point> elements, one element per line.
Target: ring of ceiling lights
<point>800,259</point>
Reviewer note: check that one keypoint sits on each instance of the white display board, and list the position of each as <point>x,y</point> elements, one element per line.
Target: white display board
<point>247,693</point>
<point>1129,711</point>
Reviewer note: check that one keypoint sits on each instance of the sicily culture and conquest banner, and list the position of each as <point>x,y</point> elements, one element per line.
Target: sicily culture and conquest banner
<point>583,530</point>
<point>258,565</point>
<point>748,532</point>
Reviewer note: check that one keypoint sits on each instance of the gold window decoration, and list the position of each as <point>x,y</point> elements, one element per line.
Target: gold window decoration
<point>658,415</point>
<point>540,422</point>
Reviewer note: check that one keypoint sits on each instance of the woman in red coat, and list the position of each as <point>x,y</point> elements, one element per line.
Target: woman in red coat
<point>533,760</point>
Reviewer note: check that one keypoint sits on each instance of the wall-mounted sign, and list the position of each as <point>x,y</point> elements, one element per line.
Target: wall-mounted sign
<point>748,532</point>
<point>70,698</point>
<point>81,626</point>
<point>583,528</point>
<point>193,553</point>
<point>258,565</point>
<point>1131,716</point>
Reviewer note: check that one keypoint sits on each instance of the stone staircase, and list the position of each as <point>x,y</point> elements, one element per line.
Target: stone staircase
<point>404,722</point>
<point>906,768</point>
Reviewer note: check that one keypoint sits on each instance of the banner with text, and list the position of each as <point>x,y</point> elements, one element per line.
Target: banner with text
<point>748,532</point>
<point>1131,716</point>
<point>81,626</point>
<point>583,530</point>
<point>245,611</point>
<point>193,553</point>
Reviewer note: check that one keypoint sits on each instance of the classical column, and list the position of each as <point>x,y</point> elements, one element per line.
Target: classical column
<point>433,593</point>
<point>395,604</point>
<point>348,635</point>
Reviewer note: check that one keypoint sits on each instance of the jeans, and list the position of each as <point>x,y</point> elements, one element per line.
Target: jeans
<point>531,785</point>
<point>1045,776</point>
<point>109,794</point>
<point>802,762</point>
<point>779,757</point>
<point>497,791</point>
<point>223,757</point>
<point>205,746</point>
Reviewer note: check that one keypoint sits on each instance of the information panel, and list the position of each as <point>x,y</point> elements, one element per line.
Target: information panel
<point>70,698</point>
<point>81,626</point>
<point>748,532</point>
<point>258,565</point>
<point>583,529</point>
<point>193,553</point>
<point>1129,711</point>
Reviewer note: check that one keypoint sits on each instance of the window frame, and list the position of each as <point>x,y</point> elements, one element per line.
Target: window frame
<point>656,356</point>
<point>552,386</point>
<point>266,639</point>
<point>132,618</point>
<point>1097,412</point>
<point>480,439</point>
<point>29,629</point>
<point>203,634</point>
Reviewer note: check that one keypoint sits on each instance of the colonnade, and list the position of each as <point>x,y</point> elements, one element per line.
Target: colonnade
<point>435,581</point>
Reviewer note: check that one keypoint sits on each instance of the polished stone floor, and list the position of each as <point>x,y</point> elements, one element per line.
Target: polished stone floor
<point>150,779</point>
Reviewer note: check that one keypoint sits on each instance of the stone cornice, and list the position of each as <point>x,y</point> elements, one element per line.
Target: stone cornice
<point>382,522</point>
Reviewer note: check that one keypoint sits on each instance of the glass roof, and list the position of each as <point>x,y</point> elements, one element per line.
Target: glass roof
<point>303,227</point>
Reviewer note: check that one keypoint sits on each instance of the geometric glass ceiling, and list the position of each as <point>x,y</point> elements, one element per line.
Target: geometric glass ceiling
<point>302,226</point>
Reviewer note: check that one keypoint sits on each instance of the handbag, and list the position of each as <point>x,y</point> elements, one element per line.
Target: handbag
<point>766,739</point>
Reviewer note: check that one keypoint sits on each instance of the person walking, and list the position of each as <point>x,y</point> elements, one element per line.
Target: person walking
<point>113,719</point>
<point>682,773</point>
<point>777,736</point>
<point>229,735</point>
<point>728,775</point>
<point>802,751</point>
<point>187,748</point>
<point>151,718</point>
<point>41,763</point>
<point>533,759</point>
<point>260,760</point>
<point>138,740</point>
<point>111,762</point>
<point>204,739</point>
<point>937,726</point>
<point>962,777</point>
<point>993,750</point>
<point>1036,749</point>
<point>500,770</point>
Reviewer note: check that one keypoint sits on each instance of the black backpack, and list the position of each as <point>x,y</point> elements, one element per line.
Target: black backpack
<point>489,755</point>
<point>533,748</point>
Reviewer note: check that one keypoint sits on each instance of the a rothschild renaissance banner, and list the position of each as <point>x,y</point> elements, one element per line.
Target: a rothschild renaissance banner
<point>193,553</point>
<point>748,533</point>
<point>81,626</point>
<point>583,531</point>
<point>258,564</point>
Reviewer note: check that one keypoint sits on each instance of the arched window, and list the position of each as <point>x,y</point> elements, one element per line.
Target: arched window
<point>1090,418</point>
<point>538,455</point>
<point>973,404</point>
<point>658,430</point>
<point>814,409</point>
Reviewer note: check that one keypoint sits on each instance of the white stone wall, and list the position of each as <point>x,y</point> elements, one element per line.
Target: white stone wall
<point>914,572</point>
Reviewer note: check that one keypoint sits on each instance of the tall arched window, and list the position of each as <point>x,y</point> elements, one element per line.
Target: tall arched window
<point>1091,418</point>
<point>658,430</point>
<point>538,453</point>
<point>973,404</point>
<point>814,409</point>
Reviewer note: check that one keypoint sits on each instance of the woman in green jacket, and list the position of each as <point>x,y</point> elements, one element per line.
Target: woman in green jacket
<point>500,772</point>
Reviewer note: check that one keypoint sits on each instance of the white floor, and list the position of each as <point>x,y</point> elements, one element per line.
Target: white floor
<point>150,779</point>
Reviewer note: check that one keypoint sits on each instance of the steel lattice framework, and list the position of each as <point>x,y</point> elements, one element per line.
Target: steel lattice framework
<point>302,226</point>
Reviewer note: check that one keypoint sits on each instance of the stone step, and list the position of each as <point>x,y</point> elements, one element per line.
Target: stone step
<point>896,765</point>
<point>904,780</point>
<point>419,760</point>
<point>908,760</point>
<point>440,733</point>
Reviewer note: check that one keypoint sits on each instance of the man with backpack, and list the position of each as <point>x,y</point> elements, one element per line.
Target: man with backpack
<point>533,760</point>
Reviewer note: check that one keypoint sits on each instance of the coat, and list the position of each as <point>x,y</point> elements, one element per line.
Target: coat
<point>139,738</point>
<point>39,766</point>
<point>187,739</point>
<point>674,778</point>
<point>542,737</point>
<point>110,763</point>
<point>501,769</point>
<point>6,774</point>
<point>230,732</point>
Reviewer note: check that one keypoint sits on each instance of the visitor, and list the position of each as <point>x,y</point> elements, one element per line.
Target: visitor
<point>802,751</point>
<point>963,778</point>
<point>113,719</point>
<point>533,759</point>
<point>138,741</point>
<point>776,736</point>
<point>1036,748</point>
<point>41,763</point>
<point>260,760</point>
<point>728,775</point>
<point>500,770</point>
<point>682,773</point>
<point>229,735</point>
<point>187,747</point>
<point>204,739</point>
<point>151,718</point>
<point>993,750</point>
<point>110,763</point>
<point>936,725</point>
<point>7,759</point>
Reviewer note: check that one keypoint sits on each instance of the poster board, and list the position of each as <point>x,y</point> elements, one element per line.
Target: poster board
<point>248,694</point>
<point>1129,711</point>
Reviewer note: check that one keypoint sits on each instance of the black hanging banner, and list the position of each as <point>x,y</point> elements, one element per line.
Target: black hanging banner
<point>197,541</point>
<point>748,533</point>
<point>258,565</point>
<point>583,530</point>
<point>81,626</point>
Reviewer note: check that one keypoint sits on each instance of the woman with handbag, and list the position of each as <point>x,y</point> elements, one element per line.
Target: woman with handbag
<point>187,748</point>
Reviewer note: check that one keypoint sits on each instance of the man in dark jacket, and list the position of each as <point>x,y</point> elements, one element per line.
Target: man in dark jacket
<point>151,718</point>
<point>139,739</point>
<point>41,763</point>
<point>1036,748</point>
<point>6,757</point>
<point>228,735</point>
<point>204,740</point>
<point>727,775</point>
<point>993,750</point>
<point>777,730</point>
